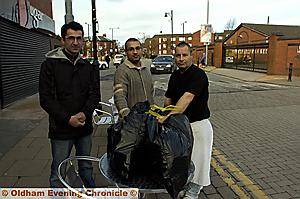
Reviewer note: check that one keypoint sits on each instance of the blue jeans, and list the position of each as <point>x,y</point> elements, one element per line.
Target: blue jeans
<point>61,150</point>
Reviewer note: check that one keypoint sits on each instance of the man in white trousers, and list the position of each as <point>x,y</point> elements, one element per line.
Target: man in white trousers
<point>188,91</point>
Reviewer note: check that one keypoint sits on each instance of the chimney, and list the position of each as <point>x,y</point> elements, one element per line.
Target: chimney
<point>268,21</point>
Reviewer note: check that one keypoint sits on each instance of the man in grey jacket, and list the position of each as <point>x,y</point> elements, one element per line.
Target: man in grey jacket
<point>132,81</point>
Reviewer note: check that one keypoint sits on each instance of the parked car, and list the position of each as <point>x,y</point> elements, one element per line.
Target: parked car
<point>163,63</point>
<point>102,64</point>
<point>118,59</point>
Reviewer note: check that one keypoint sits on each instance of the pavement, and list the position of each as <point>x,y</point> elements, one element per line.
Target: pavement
<point>254,76</point>
<point>25,155</point>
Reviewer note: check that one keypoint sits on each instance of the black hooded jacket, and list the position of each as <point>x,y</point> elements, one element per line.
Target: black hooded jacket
<point>66,89</point>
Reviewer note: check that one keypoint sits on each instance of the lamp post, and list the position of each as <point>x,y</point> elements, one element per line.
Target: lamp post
<point>206,47</point>
<point>69,13</point>
<point>88,30</point>
<point>183,26</point>
<point>94,20</point>
<point>112,36</point>
<point>171,15</point>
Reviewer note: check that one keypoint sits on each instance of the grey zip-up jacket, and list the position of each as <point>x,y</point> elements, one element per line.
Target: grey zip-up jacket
<point>131,85</point>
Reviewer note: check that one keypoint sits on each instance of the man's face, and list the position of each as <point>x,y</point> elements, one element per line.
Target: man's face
<point>183,58</point>
<point>134,51</point>
<point>73,41</point>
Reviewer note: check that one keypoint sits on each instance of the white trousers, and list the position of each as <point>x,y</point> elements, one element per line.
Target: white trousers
<point>202,149</point>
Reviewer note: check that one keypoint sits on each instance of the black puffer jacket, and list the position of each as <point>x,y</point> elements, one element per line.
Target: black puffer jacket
<point>66,89</point>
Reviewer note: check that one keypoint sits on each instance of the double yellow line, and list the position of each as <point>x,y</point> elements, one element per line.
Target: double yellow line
<point>218,160</point>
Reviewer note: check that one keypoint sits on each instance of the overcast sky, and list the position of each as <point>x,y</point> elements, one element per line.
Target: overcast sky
<point>137,17</point>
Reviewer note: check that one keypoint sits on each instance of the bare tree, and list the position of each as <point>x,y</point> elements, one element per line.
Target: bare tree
<point>230,25</point>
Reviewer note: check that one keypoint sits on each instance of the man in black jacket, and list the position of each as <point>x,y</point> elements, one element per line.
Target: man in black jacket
<point>69,92</point>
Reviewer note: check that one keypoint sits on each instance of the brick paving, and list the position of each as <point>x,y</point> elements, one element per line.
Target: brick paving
<point>259,132</point>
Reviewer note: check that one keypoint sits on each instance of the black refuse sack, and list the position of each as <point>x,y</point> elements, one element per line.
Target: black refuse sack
<point>175,139</point>
<point>140,146</point>
<point>124,137</point>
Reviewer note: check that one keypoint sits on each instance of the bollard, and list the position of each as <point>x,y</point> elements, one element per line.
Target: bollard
<point>290,72</point>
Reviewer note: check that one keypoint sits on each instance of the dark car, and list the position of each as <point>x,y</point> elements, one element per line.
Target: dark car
<point>163,64</point>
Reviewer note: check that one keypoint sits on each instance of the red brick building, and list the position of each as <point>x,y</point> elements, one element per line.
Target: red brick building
<point>105,46</point>
<point>161,44</point>
<point>256,47</point>
<point>261,47</point>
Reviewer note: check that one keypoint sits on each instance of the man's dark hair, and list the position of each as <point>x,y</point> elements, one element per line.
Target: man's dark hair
<point>182,44</point>
<point>130,40</point>
<point>72,25</point>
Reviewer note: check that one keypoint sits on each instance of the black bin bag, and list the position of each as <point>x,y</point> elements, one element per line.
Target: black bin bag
<point>175,139</point>
<point>124,137</point>
<point>141,148</point>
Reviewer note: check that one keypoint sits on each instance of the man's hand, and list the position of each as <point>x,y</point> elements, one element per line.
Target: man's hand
<point>76,122</point>
<point>81,116</point>
<point>163,118</point>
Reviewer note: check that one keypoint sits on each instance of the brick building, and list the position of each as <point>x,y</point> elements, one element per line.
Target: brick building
<point>256,47</point>
<point>162,44</point>
<point>261,47</point>
<point>105,46</point>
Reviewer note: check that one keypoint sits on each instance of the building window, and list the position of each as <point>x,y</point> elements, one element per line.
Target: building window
<point>164,51</point>
<point>181,38</point>
<point>159,52</point>
<point>190,38</point>
<point>298,50</point>
<point>159,40</point>
<point>164,45</point>
<point>174,39</point>
<point>159,46</point>
<point>165,39</point>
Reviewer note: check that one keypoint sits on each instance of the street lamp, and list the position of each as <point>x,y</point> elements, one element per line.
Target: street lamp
<point>183,26</point>
<point>112,32</point>
<point>112,36</point>
<point>170,14</point>
<point>206,47</point>
<point>88,30</point>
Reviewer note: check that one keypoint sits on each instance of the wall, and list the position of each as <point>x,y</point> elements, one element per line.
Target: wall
<point>43,5</point>
<point>247,37</point>
<point>218,54</point>
<point>281,53</point>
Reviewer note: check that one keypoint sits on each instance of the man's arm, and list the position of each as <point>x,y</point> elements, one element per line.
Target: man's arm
<point>47,95</point>
<point>181,105</point>
<point>120,89</point>
<point>94,94</point>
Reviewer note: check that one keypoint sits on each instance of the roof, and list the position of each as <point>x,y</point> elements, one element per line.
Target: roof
<point>174,35</point>
<point>99,38</point>
<point>283,31</point>
<point>102,38</point>
<point>280,30</point>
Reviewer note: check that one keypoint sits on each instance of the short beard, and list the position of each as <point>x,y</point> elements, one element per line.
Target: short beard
<point>135,61</point>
